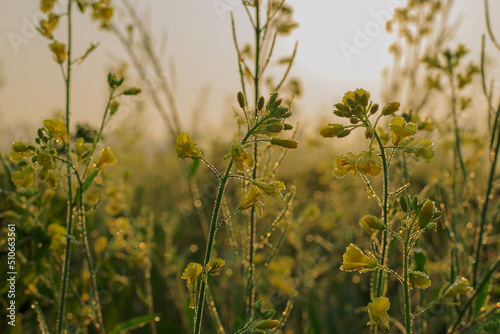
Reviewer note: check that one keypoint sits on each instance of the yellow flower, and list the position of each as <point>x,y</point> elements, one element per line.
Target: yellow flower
<point>422,148</point>
<point>344,163</point>
<point>401,130</point>
<point>213,265</point>
<point>59,51</point>
<point>377,310</point>
<point>191,273</point>
<point>251,198</point>
<point>420,280</point>
<point>21,150</point>
<point>352,95</point>
<point>368,163</point>
<point>355,259</point>
<point>241,157</point>
<point>272,188</point>
<point>24,177</point>
<point>186,148</point>
<point>56,129</point>
<point>460,286</point>
<point>105,159</point>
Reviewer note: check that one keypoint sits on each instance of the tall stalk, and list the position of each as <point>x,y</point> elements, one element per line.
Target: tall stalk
<point>69,220</point>
<point>251,230</point>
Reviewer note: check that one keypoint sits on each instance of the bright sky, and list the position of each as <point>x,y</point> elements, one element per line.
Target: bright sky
<point>200,43</point>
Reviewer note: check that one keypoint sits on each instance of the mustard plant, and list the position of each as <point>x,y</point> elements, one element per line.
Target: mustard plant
<point>263,124</point>
<point>60,158</point>
<point>415,216</point>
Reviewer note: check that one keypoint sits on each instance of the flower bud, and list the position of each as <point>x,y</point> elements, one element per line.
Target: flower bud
<point>344,133</point>
<point>260,103</point>
<point>241,100</point>
<point>390,108</point>
<point>275,127</point>
<point>267,324</point>
<point>331,130</point>
<point>286,143</point>
<point>132,91</point>
<point>372,222</point>
<point>374,108</point>
<point>425,216</point>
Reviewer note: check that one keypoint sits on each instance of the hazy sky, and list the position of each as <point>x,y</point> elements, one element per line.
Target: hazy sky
<point>200,42</point>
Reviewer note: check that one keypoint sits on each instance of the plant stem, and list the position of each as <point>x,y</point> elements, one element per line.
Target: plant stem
<point>69,219</point>
<point>485,208</point>
<point>208,253</point>
<point>385,166</point>
<point>251,230</point>
<point>212,232</point>
<point>406,288</point>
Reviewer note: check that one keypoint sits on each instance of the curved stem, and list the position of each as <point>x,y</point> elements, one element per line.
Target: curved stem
<point>385,165</point>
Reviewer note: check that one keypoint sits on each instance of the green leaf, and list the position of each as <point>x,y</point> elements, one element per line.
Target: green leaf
<point>88,180</point>
<point>136,322</point>
<point>419,258</point>
<point>193,168</point>
<point>482,297</point>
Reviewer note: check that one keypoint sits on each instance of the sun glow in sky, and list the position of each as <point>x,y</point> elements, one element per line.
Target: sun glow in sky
<point>342,45</point>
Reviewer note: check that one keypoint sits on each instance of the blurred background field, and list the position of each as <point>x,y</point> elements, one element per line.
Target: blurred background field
<point>151,220</point>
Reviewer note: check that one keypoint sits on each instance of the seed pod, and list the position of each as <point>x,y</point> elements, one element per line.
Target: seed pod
<point>354,120</point>
<point>288,127</point>
<point>241,100</point>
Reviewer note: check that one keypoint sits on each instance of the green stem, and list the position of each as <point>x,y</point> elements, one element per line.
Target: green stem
<point>485,208</point>
<point>212,232</point>
<point>99,134</point>
<point>385,166</point>
<point>69,220</point>
<point>406,288</point>
<point>251,230</point>
<point>96,303</point>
